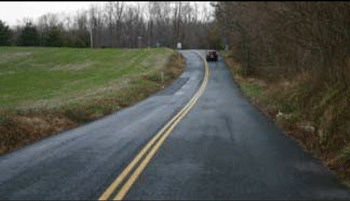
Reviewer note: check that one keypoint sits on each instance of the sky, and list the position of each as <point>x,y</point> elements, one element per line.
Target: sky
<point>13,13</point>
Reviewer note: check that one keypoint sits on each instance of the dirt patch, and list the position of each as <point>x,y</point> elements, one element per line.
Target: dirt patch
<point>73,66</point>
<point>6,57</point>
<point>8,73</point>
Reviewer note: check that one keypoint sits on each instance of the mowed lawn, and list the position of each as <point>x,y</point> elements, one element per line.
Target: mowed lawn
<point>36,77</point>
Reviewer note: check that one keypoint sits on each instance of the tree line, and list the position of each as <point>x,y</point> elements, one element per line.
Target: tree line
<point>118,24</point>
<point>286,38</point>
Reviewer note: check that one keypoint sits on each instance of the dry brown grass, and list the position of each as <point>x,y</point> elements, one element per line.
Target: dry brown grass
<point>72,66</point>
<point>18,130</point>
<point>314,113</point>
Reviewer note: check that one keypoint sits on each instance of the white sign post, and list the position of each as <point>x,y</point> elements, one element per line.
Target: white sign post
<point>178,45</point>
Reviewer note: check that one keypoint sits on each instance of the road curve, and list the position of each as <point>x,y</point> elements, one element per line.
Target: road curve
<point>81,163</point>
<point>226,149</point>
<point>223,149</point>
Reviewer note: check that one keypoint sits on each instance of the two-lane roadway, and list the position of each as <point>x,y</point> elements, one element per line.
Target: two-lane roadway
<point>224,148</point>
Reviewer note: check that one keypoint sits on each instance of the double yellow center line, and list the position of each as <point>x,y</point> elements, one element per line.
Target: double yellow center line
<point>116,191</point>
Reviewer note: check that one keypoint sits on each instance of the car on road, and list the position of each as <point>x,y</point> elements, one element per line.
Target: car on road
<point>212,55</point>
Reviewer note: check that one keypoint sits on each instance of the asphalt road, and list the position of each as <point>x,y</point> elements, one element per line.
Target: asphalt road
<point>226,149</point>
<point>223,149</point>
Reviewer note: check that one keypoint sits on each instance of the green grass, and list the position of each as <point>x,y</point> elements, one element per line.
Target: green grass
<point>35,77</point>
<point>251,89</point>
<point>45,90</point>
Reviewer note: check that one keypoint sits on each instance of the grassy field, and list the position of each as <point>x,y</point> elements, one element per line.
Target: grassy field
<point>51,77</point>
<point>45,90</point>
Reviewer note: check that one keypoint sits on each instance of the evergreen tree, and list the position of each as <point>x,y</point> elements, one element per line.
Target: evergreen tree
<point>5,34</point>
<point>55,37</point>
<point>29,36</point>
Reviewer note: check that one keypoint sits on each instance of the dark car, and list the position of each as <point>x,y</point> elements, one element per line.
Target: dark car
<point>212,55</point>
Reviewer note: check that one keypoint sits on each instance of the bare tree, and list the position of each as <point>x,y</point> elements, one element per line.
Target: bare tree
<point>176,23</point>
<point>118,24</point>
<point>119,8</point>
<point>110,21</point>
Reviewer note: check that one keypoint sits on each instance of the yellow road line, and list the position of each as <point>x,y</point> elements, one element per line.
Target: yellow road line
<point>162,135</point>
<point>144,163</point>
<point>125,172</point>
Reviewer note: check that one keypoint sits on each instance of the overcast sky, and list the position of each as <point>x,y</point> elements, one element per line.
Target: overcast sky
<point>13,13</point>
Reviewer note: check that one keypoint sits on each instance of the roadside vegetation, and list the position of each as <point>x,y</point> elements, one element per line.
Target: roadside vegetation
<point>292,60</point>
<point>47,90</point>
